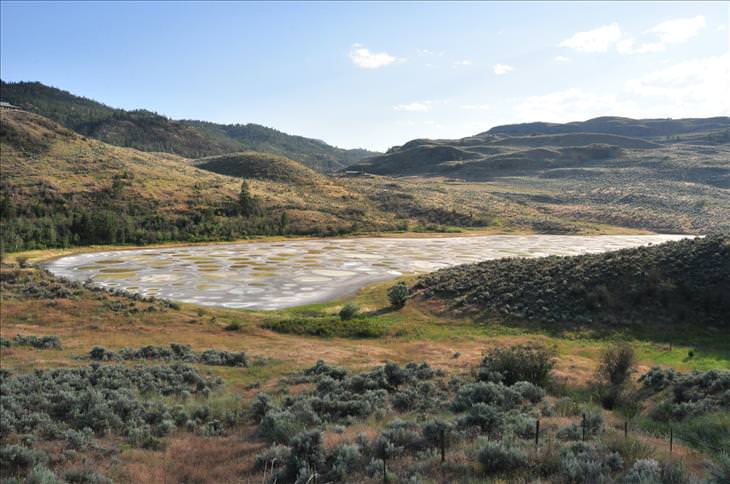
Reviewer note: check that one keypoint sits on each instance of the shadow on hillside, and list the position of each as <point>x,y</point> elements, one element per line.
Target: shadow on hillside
<point>381,311</point>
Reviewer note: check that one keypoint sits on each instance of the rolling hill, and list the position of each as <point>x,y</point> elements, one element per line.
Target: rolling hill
<point>259,166</point>
<point>687,280</point>
<point>149,131</point>
<point>664,175</point>
<point>638,128</point>
<point>60,188</point>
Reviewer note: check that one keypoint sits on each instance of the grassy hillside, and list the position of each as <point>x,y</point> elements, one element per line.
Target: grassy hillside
<point>683,281</point>
<point>259,166</point>
<point>60,188</point>
<point>676,184</point>
<point>311,152</point>
<point>148,131</point>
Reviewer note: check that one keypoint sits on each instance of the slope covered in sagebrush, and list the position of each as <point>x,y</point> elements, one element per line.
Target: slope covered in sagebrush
<point>687,280</point>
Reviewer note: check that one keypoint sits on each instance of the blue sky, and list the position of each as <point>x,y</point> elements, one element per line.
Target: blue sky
<point>375,75</point>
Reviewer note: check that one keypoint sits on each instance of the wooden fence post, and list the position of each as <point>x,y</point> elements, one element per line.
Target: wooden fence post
<point>443,445</point>
<point>537,434</point>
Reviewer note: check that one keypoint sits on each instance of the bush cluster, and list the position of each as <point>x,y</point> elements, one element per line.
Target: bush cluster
<point>328,327</point>
<point>39,342</point>
<point>520,363</point>
<point>689,394</point>
<point>175,352</point>
<point>74,404</point>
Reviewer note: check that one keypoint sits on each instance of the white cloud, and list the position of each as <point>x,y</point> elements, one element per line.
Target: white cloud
<point>699,87</point>
<point>501,69</point>
<point>666,33</point>
<point>678,30</point>
<point>561,58</point>
<point>462,63</point>
<point>627,46</point>
<point>416,107</point>
<point>596,40</point>
<point>476,107</point>
<point>429,52</point>
<point>572,105</point>
<point>363,58</point>
<point>695,88</point>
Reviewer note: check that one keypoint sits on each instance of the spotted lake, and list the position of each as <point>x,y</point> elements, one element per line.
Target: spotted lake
<point>273,275</point>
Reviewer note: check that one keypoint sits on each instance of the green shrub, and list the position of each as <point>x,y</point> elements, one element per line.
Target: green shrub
<point>644,471</point>
<point>349,311</point>
<point>16,459</point>
<point>582,462</point>
<point>328,327</point>
<point>499,458</point>
<point>617,363</point>
<point>487,417</point>
<point>719,472</point>
<point>529,391</point>
<point>39,342</point>
<point>674,472</point>
<point>42,475</point>
<point>398,295</point>
<point>489,393</point>
<point>530,363</point>
<point>175,352</point>
<point>345,459</point>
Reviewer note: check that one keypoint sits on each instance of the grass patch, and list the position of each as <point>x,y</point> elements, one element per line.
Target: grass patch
<point>328,327</point>
<point>707,433</point>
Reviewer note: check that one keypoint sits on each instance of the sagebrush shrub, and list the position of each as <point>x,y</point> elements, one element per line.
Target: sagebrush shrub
<point>529,362</point>
<point>498,458</point>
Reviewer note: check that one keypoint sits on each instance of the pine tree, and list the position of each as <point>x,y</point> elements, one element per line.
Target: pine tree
<point>247,204</point>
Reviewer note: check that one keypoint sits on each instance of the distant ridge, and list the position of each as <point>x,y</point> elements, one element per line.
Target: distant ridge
<point>640,128</point>
<point>149,131</point>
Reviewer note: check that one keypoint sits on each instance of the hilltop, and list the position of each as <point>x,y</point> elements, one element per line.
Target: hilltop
<point>682,281</point>
<point>259,166</point>
<point>149,131</point>
<point>640,128</point>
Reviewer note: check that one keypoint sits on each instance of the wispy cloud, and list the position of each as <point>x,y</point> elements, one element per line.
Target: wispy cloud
<point>678,30</point>
<point>415,107</point>
<point>596,40</point>
<point>502,69</point>
<point>698,87</point>
<point>571,105</point>
<point>365,59</point>
<point>462,63</point>
<point>429,52</point>
<point>561,58</point>
<point>656,39</point>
